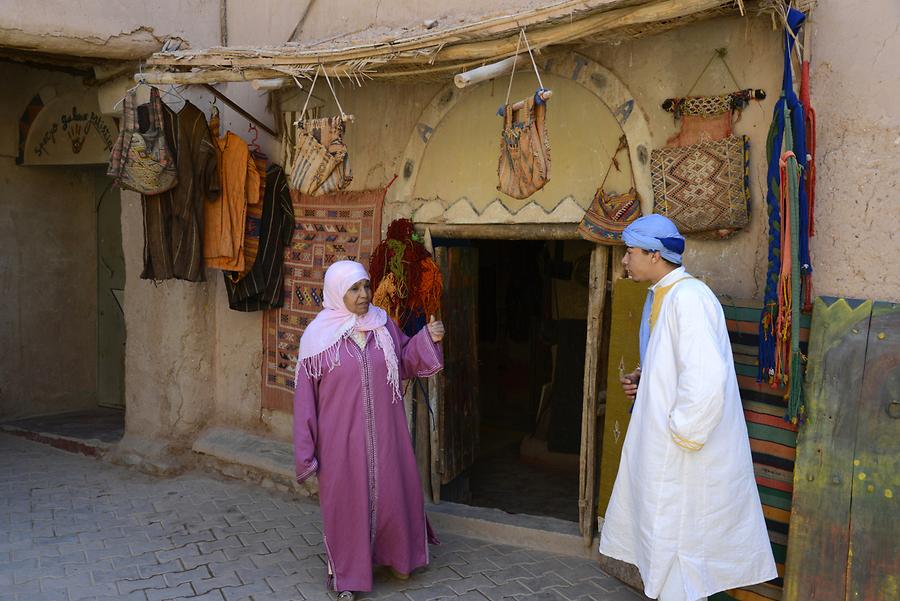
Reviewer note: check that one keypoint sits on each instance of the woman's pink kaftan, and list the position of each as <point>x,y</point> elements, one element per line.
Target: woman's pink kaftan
<point>349,430</point>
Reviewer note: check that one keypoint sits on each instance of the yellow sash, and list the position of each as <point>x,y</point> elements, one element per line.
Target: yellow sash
<point>658,295</point>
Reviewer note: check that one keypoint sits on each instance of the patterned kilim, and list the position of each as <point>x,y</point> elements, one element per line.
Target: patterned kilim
<point>773,440</point>
<point>328,228</point>
<point>703,187</point>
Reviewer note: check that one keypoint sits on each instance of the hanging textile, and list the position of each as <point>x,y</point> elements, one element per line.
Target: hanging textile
<point>141,159</point>
<point>253,220</point>
<point>701,178</point>
<point>524,165</point>
<point>329,228</point>
<point>319,163</point>
<point>406,281</point>
<point>780,359</point>
<point>810,173</point>
<point>225,218</point>
<point>609,214</point>
<point>173,240</point>
<point>704,187</point>
<point>262,287</point>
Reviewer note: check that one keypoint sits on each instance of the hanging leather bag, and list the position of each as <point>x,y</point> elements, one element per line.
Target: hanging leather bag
<point>142,161</point>
<point>524,166</point>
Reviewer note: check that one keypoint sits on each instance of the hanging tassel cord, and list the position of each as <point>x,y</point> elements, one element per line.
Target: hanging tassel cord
<point>785,299</point>
<point>795,375</point>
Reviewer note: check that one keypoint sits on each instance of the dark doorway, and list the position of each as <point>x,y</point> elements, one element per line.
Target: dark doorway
<point>531,324</point>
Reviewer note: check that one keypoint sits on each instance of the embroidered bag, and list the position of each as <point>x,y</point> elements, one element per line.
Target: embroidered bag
<point>142,161</point>
<point>703,187</point>
<point>607,216</point>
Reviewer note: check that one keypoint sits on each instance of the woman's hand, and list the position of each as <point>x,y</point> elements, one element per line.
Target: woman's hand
<point>630,383</point>
<point>436,329</point>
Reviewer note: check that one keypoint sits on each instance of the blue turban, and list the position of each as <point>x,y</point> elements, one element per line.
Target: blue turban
<point>655,232</point>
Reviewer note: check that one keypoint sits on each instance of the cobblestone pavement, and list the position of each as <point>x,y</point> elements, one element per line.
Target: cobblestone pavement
<point>73,528</point>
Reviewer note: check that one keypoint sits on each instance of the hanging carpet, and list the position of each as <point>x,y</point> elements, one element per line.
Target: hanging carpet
<point>327,228</point>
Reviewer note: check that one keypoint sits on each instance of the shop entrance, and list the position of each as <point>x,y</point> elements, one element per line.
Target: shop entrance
<point>514,384</point>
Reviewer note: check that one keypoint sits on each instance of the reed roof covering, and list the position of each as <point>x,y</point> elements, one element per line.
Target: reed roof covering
<point>438,52</point>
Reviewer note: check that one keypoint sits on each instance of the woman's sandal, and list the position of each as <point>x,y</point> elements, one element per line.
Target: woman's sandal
<point>346,596</point>
<point>397,574</point>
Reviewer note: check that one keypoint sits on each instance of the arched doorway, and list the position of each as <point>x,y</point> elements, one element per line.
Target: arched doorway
<point>520,291</point>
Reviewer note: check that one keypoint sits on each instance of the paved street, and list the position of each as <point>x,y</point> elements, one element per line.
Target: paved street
<point>74,528</point>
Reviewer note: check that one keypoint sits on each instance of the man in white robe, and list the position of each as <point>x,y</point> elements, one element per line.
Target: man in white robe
<point>685,508</point>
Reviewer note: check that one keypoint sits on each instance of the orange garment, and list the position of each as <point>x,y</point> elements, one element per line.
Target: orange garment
<point>254,219</point>
<point>225,217</point>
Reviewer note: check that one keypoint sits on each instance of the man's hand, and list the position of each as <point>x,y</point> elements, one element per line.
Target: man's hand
<point>436,329</point>
<point>630,383</point>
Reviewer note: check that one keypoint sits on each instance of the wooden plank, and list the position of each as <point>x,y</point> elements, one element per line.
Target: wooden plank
<point>435,388</point>
<point>596,301</point>
<point>422,425</point>
<point>820,515</point>
<point>874,566</point>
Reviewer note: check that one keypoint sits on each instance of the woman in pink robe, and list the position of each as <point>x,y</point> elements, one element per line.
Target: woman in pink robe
<point>350,428</point>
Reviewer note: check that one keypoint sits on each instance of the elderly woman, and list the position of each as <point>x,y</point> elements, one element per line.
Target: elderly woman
<point>350,429</point>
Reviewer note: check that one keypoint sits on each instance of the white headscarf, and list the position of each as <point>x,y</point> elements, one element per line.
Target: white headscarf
<point>321,341</point>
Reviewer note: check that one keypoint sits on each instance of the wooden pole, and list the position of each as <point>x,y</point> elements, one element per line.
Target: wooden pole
<point>545,95</point>
<point>588,461</point>
<point>617,270</point>
<point>486,72</point>
<point>241,111</point>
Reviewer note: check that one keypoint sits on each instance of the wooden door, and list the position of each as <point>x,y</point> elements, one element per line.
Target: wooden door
<point>455,390</point>
<point>110,296</point>
<point>843,531</point>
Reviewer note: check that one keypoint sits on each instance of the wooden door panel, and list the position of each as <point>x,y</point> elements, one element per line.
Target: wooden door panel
<point>874,565</point>
<point>820,515</point>
<point>457,400</point>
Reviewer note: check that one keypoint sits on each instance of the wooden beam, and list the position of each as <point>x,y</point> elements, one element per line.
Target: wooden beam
<point>502,231</point>
<point>588,462</point>
<point>201,77</point>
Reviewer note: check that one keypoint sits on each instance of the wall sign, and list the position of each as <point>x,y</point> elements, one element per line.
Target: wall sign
<point>70,130</point>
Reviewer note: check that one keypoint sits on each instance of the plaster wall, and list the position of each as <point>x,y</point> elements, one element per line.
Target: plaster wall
<point>122,30</point>
<point>855,76</point>
<point>48,267</point>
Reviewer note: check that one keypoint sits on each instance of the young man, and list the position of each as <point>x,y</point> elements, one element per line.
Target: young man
<point>684,508</point>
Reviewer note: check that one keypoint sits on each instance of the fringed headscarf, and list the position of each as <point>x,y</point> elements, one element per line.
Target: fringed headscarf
<point>320,345</point>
